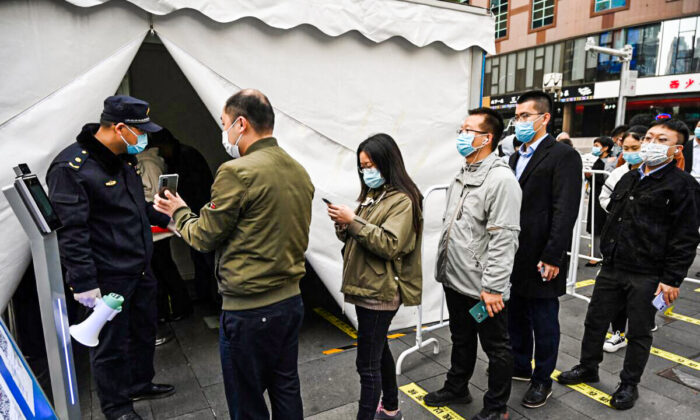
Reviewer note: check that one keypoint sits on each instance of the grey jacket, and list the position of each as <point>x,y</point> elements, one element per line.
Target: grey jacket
<point>480,229</point>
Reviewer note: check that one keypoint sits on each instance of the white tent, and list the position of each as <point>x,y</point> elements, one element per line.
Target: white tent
<point>335,71</point>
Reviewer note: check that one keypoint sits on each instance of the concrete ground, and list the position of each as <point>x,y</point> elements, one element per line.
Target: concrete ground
<point>330,385</point>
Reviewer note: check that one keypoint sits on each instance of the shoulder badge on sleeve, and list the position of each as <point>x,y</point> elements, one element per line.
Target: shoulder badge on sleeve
<point>78,161</point>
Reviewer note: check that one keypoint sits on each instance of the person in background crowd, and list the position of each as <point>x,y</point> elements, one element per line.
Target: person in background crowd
<point>381,266</point>
<point>563,136</point>
<point>631,146</point>
<point>691,153</point>
<point>484,228</point>
<point>106,246</point>
<point>173,300</point>
<point>550,176</point>
<point>194,186</point>
<point>616,136</point>
<point>649,243</point>
<point>258,222</point>
<point>602,147</point>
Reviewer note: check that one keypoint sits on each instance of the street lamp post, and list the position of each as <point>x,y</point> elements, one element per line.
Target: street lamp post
<point>625,56</point>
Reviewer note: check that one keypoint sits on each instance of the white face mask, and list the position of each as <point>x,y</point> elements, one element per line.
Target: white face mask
<point>654,153</point>
<point>231,149</point>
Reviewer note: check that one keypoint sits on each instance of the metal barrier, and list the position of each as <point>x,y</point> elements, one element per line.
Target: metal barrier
<point>419,323</point>
<point>575,252</point>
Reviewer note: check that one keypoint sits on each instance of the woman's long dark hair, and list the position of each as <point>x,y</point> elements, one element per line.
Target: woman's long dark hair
<point>386,156</point>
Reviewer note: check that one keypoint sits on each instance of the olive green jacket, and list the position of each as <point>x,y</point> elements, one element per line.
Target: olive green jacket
<point>258,223</point>
<point>382,253</point>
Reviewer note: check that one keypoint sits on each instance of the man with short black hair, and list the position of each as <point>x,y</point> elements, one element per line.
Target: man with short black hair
<point>106,247</point>
<point>616,135</point>
<point>550,176</point>
<point>648,245</point>
<point>258,223</point>
<point>481,229</point>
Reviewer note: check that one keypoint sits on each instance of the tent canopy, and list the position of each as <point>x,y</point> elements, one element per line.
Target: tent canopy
<point>335,71</point>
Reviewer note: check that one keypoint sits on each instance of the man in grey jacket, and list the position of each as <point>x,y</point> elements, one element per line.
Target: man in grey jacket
<point>475,258</point>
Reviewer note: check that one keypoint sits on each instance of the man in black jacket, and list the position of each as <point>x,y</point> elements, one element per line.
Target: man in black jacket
<point>550,175</point>
<point>648,245</point>
<point>106,246</point>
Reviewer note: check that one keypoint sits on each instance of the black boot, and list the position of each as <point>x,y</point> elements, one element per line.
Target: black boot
<point>624,397</point>
<point>492,415</point>
<point>577,375</point>
<point>537,395</point>
<point>443,397</point>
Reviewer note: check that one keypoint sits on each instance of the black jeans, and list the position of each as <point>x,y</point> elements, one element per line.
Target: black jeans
<point>493,334</point>
<point>619,323</point>
<point>375,364</point>
<point>259,349</point>
<point>122,364</point>
<point>536,318</point>
<point>614,287</point>
<point>172,291</point>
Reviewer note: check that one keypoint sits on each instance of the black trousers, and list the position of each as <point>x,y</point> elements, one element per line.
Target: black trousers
<point>375,363</point>
<point>122,364</point>
<point>493,335</point>
<point>172,291</point>
<point>619,323</point>
<point>612,289</point>
<point>259,349</point>
<point>533,324</point>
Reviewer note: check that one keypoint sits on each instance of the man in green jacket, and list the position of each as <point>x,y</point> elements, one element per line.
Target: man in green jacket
<point>258,224</point>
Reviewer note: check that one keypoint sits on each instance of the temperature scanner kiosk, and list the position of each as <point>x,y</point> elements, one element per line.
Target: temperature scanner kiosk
<point>32,207</point>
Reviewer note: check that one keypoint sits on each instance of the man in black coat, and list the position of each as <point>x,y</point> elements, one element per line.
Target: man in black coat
<point>550,175</point>
<point>648,245</point>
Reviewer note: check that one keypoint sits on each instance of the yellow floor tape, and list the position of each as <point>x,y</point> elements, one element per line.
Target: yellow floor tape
<point>672,357</point>
<point>338,323</point>
<point>584,283</point>
<point>353,345</point>
<point>587,390</point>
<point>669,313</point>
<point>417,393</point>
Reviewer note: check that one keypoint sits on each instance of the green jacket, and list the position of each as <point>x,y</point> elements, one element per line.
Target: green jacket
<point>382,253</point>
<point>258,223</point>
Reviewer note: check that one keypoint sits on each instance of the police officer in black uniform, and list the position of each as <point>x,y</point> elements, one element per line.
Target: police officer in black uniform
<point>106,247</point>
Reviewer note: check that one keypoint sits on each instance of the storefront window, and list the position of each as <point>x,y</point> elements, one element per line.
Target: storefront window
<point>645,41</point>
<point>679,46</point>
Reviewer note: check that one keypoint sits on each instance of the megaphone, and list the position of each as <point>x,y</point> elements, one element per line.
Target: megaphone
<point>88,331</point>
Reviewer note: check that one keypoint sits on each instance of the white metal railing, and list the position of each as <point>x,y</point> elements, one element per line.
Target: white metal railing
<point>419,322</point>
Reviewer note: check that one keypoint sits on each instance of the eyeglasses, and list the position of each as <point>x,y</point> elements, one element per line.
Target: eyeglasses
<point>525,116</point>
<point>466,130</point>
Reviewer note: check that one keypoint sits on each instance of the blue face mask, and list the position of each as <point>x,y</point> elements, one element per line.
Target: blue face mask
<point>697,132</point>
<point>525,131</point>
<point>632,158</point>
<point>372,177</point>
<point>596,151</point>
<point>465,143</point>
<point>141,143</point>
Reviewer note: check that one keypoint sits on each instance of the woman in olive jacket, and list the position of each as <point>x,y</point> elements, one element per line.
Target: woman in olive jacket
<point>381,265</point>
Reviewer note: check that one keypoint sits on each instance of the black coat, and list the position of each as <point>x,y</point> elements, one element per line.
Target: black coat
<point>551,184</point>
<point>653,224</point>
<point>600,214</point>
<point>688,155</point>
<point>106,220</point>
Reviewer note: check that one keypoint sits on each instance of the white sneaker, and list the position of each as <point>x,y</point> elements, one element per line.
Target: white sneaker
<point>615,343</point>
<point>656,327</point>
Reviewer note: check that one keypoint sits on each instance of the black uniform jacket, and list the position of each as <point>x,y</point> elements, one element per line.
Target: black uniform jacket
<point>98,196</point>
<point>551,184</point>
<point>653,224</point>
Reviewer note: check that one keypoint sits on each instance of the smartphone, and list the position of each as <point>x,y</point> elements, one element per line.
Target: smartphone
<point>659,302</point>
<point>325,200</point>
<point>479,312</point>
<point>542,271</point>
<point>167,182</point>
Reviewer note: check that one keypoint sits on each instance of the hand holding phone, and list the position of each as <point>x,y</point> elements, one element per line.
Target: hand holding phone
<point>659,302</point>
<point>325,200</point>
<point>479,312</point>
<point>167,182</point>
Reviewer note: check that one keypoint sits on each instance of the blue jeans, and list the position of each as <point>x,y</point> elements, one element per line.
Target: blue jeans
<point>259,349</point>
<point>536,318</point>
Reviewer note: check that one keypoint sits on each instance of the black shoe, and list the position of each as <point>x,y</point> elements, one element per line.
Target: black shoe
<point>154,392</point>
<point>536,395</point>
<point>624,397</point>
<point>491,415</point>
<point>129,416</point>
<point>163,337</point>
<point>443,397</point>
<point>522,376</point>
<point>577,375</point>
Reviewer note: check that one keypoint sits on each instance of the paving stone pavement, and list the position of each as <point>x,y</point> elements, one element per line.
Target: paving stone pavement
<point>330,385</point>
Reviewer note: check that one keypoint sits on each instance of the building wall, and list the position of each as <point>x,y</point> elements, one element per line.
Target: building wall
<point>573,18</point>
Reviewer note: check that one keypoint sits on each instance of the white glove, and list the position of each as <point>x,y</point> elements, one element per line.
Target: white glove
<point>88,298</point>
<point>173,229</point>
